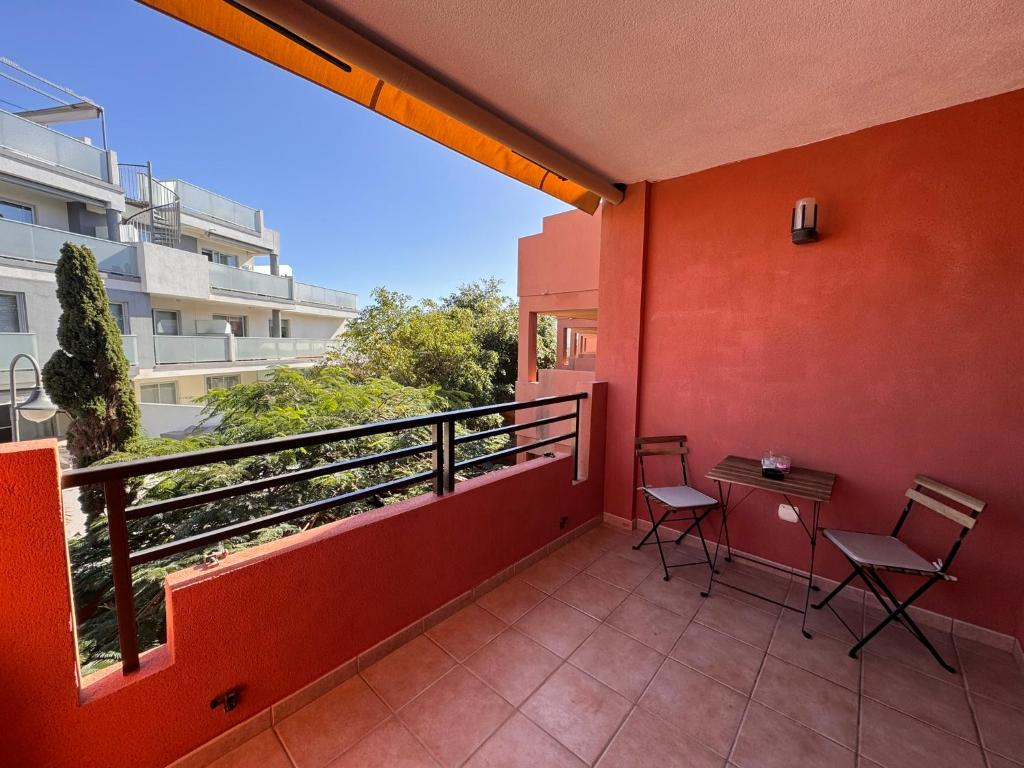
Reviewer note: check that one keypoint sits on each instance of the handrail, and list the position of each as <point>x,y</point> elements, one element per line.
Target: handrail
<point>442,446</point>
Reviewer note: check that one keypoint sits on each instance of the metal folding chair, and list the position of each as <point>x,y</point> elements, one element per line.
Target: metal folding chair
<point>872,554</point>
<point>690,505</point>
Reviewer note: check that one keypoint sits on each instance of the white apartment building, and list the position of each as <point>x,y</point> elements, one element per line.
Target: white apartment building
<point>194,278</point>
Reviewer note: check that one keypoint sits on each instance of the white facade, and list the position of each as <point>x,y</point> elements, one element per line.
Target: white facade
<point>200,308</point>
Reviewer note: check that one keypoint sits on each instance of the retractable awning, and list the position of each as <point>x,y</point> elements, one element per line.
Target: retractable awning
<point>302,40</point>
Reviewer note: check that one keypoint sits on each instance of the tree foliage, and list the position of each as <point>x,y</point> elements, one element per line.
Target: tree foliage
<point>88,376</point>
<point>466,344</point>
<point>289,402</point>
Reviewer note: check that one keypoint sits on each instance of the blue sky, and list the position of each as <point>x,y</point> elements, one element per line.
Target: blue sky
<point>359,200</point>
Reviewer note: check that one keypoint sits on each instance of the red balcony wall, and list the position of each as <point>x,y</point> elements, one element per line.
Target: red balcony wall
<point>891,347</point>
<point>271,619</point>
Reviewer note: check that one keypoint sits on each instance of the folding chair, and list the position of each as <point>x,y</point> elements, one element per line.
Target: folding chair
<point>872,554</point>
<point>673,499</point>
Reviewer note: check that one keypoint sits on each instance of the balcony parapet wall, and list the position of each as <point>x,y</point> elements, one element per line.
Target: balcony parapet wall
<point>270,619</point>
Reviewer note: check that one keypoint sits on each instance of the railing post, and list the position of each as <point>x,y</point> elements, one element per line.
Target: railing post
<point>449,451</point>
<point>437,435</point>
<point>124,597</point>
<point>576,444</point>
<point>152,202</point>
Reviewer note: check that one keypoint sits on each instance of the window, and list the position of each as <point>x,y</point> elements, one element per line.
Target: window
<point>222,382</point>
<point>120,313</point>
<point>237,324</point>
<point>17,212</point>
<point>165,392</point>
<point>166,322</point>
<point>12,313</point>
<point>286,332</point>
<point>216,257</point>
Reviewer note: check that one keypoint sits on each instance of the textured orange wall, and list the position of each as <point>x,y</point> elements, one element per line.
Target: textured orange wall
<point>271,619</point>
<point>891,347</point>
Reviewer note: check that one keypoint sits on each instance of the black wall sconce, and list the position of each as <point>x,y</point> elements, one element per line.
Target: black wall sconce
<point>805,221</point>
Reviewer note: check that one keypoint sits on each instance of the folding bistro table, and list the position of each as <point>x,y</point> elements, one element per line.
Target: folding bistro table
<point>799,483</point>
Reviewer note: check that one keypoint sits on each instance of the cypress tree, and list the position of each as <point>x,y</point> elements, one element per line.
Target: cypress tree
<point>88,376</point>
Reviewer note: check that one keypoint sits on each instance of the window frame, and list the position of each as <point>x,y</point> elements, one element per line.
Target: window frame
<point>125,324</point>
<point>214,257</point>
<point>177,322</point>
<point>237,377</point>
<point>228,318</point>
<point>20,309</point>
<point>24,206</point>
<point>158,385</point>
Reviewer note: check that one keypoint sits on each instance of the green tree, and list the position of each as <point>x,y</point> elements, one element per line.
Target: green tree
<point>290,402</point>
<point>88,376</point>
<point>467,344</point>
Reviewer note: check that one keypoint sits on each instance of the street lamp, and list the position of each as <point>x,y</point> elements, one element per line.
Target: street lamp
<point>37,406</point>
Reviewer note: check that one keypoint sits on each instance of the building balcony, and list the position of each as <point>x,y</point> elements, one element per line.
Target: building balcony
<point>210,205</point>
<point>246,282</point>
<point>131,348</point>
<point>175,350</point>
<point>316,295</point>
<point>31,242</point>
<point>41,143</point>
<point>12,344</point>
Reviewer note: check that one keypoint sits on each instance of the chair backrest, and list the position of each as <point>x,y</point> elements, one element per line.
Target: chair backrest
<point>662,445</point>
<point>940,498</point>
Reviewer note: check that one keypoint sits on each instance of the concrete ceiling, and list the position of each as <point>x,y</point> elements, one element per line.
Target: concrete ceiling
<point>653,89</point>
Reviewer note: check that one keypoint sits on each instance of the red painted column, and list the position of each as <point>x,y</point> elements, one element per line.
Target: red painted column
<point>527,344</point>
<point>621,288</point>
<point>37,645</point>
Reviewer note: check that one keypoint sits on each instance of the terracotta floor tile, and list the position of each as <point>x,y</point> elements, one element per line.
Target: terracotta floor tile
<point>1002,728</point>
<point>822,655</point>
<point>467,631</point>
<point>695,704</point>
<point>579,554</point>
<point>549,574</point>
<point>513,665</point>
<point>753,580</point>
<point>623,664</point>
<point>996,761</point>
<point>592,596</point>
<point>607,538</point>
<point>646,741</point>
<point>577,710</point>
<point>646,555</point>
<point>455,716</point>
<point>511,600</point>
<point>927,698</point>
<point>739,620</point>
<point>389,746</point>
<point>898,644</point>
<point>895,740</point>
<point>651,624</point>
<point>404,673</point>
<point>677,595</point>
<point>521,744</point>
<point>770,740</point>
<point>619,571</point>
<point>558,627</point>
<point>821,705</point>
<point>325,728</point>
<point>717,655</point>
<point>823,620</point>
<point>263,750</point>
<point>995,677</point>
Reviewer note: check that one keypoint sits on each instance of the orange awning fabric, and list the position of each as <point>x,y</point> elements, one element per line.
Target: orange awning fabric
<point>302,40</point>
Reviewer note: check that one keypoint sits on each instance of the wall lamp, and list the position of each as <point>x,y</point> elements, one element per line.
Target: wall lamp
<point>37,406</point>
<point>805,221</point>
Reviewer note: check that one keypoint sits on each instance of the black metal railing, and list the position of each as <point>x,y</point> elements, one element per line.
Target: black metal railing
<point>442,477</point>
<point>160,220</point>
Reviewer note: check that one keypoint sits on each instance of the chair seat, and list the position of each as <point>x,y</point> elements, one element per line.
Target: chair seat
<point>878,551</point>
<point>680,497</point>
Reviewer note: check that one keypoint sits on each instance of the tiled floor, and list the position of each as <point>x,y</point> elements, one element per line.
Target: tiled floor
<point>590,658</point>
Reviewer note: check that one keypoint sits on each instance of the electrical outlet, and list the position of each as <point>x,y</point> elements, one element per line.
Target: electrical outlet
<point>788,513</point>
